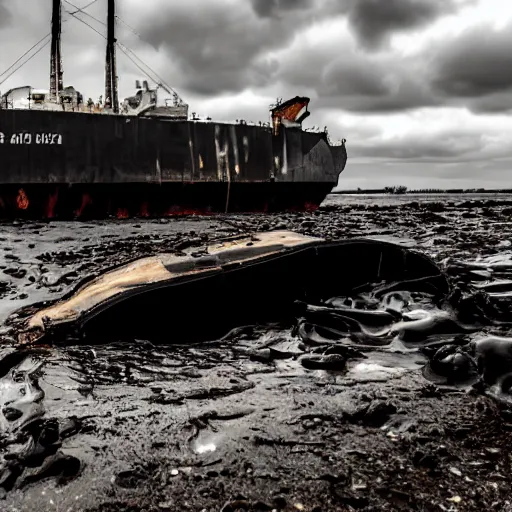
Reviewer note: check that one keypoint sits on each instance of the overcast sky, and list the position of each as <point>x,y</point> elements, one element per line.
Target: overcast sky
<point>421,89</point>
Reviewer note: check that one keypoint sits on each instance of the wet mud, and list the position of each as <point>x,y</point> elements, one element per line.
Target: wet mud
<point>394,397</point>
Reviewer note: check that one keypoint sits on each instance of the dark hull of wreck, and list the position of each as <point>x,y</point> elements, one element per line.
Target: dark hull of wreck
<point>128,200</point>
<point>66,165</point>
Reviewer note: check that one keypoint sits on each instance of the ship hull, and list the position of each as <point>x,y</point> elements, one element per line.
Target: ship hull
<point>64,165</point>
<point>131,200</point>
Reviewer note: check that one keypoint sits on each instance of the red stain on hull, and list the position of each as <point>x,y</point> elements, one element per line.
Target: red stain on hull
<point>122,213</point>
<point>102,202</point>
<point>22,200</point>
<point>86,200</point>
<point>144,209</point>
<point>50,206</point>
<point>177,211</point>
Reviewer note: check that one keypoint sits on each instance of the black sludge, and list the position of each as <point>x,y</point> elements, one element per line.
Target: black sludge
<point>31,441</point>
<point>200,425</point>
<point>366,318</point>
<point>493,356</point>
<point>215,372</point>
<point>435,323</point>
<point>333,362</point>
<point>451,364</point>
<point>345,326</point>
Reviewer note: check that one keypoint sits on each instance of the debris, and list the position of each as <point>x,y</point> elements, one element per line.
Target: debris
<point>455,471</point>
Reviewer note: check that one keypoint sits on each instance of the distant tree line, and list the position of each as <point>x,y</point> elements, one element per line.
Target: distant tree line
<point>395,190</point>
<point>403,190</point>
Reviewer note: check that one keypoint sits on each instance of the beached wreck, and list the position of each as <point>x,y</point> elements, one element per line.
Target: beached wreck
<point>239,281</point>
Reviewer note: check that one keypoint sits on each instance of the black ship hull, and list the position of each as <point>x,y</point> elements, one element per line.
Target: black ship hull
<point>66,165</point>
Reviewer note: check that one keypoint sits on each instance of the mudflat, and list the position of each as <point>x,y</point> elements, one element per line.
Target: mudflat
<point>270,416</point>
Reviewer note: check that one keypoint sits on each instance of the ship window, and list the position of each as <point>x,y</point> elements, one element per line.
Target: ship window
<point>38,97</point>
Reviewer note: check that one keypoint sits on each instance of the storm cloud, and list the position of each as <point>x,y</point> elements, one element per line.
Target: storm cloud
<point>5,15</point>
<point>476,64</point>
<point>411,84</point>
<point>273,8</point>
<point>227,46</point>
<point>225,49</point>
<point>375,20</point>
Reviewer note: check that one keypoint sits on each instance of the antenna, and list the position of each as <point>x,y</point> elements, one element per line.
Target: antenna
<point>55,54</point>
<point>111,98</point>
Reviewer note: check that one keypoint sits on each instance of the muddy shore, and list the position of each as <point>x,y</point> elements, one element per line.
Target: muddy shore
<point>133,426</point>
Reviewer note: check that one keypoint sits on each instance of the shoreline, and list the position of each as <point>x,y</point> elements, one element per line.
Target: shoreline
<point>423,192</point>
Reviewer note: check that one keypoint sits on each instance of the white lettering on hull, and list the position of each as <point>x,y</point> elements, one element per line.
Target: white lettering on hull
<point>48,138</point>
<point>30,138</point>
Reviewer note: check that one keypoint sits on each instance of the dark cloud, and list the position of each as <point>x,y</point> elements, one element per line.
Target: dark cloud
<point>497,103</point>
<point>356,81</point>
<point>475,65</point>
<point>346,77</point>
<point>375,20</point>
<point>5,15</point>
<point>470,70</point>
<point>222,49</point>
<point>441,146</point>
<point>277,8</point>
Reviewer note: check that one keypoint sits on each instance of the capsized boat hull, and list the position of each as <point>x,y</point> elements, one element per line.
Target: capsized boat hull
<point>242,280</point>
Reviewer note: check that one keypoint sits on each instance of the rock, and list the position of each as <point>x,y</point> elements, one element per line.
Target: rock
<point>130,479</point>
<point>378,413</point>
<point>425,460</point>
<point>236,505</point>
<point>279,502</point>
<point>12,414</point>
<point>262,356</point>
<point>333,362</point>
<point>49,433</point>
<point>261,506</point>
<point>350,499</point>
<point>455,471</point>
<point>492,453</point>
<point>18,273</point>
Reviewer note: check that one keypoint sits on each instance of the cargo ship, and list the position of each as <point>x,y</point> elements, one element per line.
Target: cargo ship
<point>65,158</point>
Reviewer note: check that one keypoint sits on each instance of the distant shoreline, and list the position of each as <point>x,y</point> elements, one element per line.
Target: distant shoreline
<point>423,191</point>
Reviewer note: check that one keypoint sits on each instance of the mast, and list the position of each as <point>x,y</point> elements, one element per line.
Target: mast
<point>56,57</point>
<point>111,97</point>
